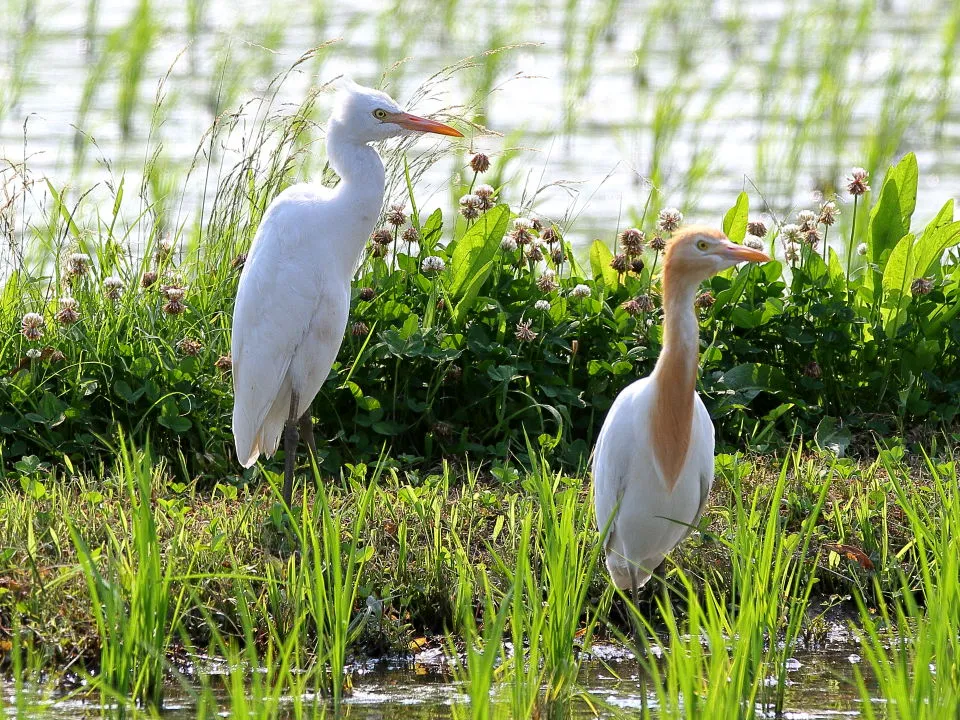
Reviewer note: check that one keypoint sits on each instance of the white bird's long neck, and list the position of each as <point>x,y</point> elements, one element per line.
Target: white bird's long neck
<point>675,377</point>
<point>362,183</point>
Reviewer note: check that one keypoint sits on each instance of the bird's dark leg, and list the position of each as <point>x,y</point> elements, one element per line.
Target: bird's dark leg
<point>635,610</point>
<point>306,430</point>
<point>290,440</point>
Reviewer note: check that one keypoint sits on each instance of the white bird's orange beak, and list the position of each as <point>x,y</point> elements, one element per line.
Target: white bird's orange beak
<point>742,253</point>
<point>422,124</point>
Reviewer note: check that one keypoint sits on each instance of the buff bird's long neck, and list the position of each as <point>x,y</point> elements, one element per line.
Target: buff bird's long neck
<point>675,375</point>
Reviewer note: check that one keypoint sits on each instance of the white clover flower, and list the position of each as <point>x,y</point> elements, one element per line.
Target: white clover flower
<point>508,244</point>
<point>34,353</point>
<point>542,305</point>
<point>522,223</point>
<point>669,219</point>
<point>32,326</point>
<point>806,217</point>
<point>78,264</point>
<point>751,241</point>
<point>433,264</point>
<point>792,252</point>
<point>112,287</point>
<point>862,249</point>
<point>790,233</point>
<point>581,291</point>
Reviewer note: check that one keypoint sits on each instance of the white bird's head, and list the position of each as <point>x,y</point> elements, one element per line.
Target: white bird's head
<point>697,252</point>
<point>367,115</point>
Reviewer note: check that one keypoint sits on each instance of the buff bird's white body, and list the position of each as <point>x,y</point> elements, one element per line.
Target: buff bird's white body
<point>653,461</point>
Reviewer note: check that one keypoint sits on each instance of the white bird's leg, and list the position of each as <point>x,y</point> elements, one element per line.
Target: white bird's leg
<point>290,440</point>
<point>306,429</point>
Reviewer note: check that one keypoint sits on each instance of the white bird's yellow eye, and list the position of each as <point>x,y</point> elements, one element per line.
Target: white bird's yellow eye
<point>702,245</point>
<point>380,113</point>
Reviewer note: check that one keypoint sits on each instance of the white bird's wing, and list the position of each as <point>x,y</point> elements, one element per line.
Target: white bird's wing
<point>616,444</point>
<point>280,292</point>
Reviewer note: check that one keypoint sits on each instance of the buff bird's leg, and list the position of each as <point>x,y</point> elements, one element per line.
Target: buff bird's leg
<point>290,440</point>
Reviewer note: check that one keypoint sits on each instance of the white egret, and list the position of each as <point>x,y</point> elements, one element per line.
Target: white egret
<point>294,293</point>
<point>653,462</point>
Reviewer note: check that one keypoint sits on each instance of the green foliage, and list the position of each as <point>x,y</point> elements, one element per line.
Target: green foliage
<point>469,359</point>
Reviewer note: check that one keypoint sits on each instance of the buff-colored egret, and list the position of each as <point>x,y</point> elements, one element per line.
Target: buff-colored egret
<point>294,294</point>
<point>653,463</point>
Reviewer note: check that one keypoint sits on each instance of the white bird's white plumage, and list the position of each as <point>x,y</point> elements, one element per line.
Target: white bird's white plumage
<point>652,519</point>
<point>294,293</point>
<point>653,461</point>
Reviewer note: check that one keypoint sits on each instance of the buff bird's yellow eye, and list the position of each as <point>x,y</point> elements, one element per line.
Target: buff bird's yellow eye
<point>702,245</point>
<point>379,113</point>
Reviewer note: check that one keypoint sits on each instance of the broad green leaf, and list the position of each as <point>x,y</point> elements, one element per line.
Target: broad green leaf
<point>836,271</point>
<point>906,174</point>
<point>600,258</point>
<point>476,248</point>
<point>431,231</point>
<point>735,221</point>
<point>931,246</point>
<point>469,297</point>
<point>897,276</point>
<point>943,217</point>
<point>886,228</point>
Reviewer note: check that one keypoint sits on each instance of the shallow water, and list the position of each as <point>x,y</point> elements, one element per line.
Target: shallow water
<point>821,685</point>
<point>590,116</point>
